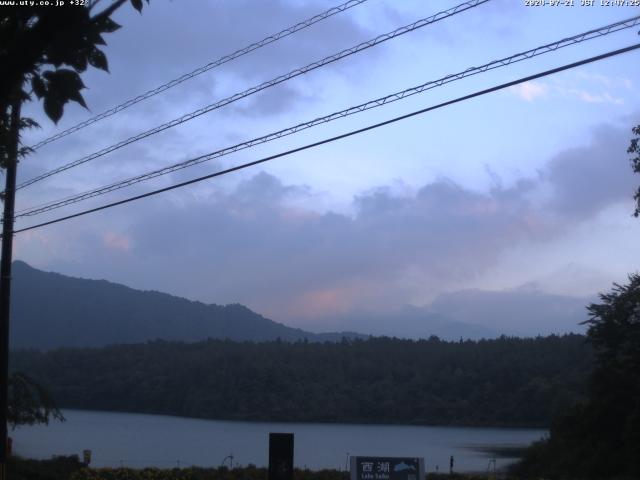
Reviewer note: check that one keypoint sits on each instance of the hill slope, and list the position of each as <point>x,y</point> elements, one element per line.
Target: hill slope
<point>50,310</point>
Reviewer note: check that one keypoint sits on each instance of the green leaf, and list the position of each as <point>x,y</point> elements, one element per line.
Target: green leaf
<point>64,79</point>
<point>38,86</point>
<point>137,4</point>
<point>26,122</point>
<point>106,25</point>
<point>29,403</point>
<point>94,37</point>
<point>64,85</point>
<point>77,97</point>
<point>53,107</point>
<point>98,59</point>
<point>78,60</point>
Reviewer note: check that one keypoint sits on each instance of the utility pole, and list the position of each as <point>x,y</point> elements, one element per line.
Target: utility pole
<point>5,274</point>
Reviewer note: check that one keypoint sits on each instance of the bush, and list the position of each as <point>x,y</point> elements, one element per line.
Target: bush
<point>58,468</point>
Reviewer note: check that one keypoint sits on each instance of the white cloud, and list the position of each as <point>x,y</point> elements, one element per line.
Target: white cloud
<point>590,97</point>
<point>530,91</point>
<point>604,80</point>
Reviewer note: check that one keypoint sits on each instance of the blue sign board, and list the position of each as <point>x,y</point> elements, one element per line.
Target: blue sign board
<point>387,468</point>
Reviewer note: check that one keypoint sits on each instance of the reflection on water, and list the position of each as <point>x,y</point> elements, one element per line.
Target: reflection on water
<point>154,440</point>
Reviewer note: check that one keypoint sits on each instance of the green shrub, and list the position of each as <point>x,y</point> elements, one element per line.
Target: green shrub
<point>58,468</point>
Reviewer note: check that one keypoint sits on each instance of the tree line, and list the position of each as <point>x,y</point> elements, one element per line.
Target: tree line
<point>599,437</point>
<point>501,382</point>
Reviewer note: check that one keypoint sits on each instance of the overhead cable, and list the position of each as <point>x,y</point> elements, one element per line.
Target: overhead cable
<point>282,78</point>
<point>205,68</point>
<point>550,47</point>
<point>338,137</point>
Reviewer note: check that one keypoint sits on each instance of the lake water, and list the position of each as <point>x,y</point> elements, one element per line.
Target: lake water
<point>136,440</point>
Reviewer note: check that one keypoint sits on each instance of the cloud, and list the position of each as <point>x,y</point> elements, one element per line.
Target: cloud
<point>258,244</point>
<point>167,41</point>
<point>589,96</point>
<point>188,41</point>
<point>115,241</point>
<point>530,91</point>
<point>605,97</point>
<point>253,245</point>
<point>586,87</point>
<point>586,179</point>
<point>592,87</point>
<point>604,80</point>
<point>525,311</point>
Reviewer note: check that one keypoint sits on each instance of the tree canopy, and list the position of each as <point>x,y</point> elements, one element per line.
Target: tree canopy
<point>506,381</point>
<point>600,438</point>
<point>29,402</point>
<point>43,51</point>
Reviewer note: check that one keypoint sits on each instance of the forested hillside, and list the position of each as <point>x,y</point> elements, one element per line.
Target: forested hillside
<point>507,381</point>
<point>104,313</point>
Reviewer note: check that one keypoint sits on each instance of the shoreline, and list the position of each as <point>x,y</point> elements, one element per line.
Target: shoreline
<point>319,423</point>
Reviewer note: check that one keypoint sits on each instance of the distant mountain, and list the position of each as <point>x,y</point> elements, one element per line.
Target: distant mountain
<point>522,312</point>
<point>474,314</point>
<point>50,310</point>
<point>411,322</point>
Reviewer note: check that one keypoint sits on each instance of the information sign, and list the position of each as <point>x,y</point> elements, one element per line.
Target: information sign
<point>387,468</point>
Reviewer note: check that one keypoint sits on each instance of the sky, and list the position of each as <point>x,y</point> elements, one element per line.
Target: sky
<point>529,187</point>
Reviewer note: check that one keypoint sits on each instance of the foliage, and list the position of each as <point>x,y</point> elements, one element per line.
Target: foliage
<point>193,473</point>
<point>29,403</point>
<point>58,468</point>
<point>69,468</point>
<point>600,438</point>
<point>43,51</point>
<point>507,381</point>
<point>246,473</point>
<point>634,148</point>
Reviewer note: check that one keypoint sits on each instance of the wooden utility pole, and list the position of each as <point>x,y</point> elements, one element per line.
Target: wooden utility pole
<point>5,274</point>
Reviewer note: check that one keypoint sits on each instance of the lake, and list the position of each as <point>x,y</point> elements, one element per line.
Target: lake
<point>136,440</point>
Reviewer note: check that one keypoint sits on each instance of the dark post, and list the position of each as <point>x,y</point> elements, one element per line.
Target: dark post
<point>5,276</point>
<point>281,456</point>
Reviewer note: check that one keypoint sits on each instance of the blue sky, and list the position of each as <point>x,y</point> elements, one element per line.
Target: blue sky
<point>526,187</point>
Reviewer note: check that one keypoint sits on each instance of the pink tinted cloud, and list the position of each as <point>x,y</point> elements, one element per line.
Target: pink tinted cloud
<point>116,241</point>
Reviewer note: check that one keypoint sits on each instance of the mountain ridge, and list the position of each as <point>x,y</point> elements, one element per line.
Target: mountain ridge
<point>104,313</point>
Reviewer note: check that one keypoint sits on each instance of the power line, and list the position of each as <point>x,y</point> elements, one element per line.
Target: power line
<point>216,63</point>
<point>339,137</point>
<point>282,78</point>
<point>551,47</point>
